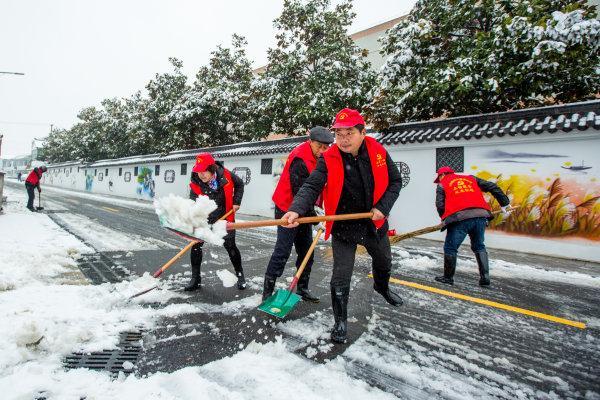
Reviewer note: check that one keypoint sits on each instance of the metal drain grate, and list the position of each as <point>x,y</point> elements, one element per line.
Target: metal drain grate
<point>99,268</point>
<point>129,349</point>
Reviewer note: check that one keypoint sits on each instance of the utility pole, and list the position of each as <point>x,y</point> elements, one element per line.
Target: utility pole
<point>11,73</point>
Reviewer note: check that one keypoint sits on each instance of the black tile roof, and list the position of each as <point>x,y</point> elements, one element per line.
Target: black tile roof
<point>574,117</point>
<point>220,152</point>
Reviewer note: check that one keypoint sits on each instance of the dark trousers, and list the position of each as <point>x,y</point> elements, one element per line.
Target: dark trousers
<point>458,231</point>
<point>343,260</point>
<point>30,194</point>
<point>299,237</point>
<point>230,246</point>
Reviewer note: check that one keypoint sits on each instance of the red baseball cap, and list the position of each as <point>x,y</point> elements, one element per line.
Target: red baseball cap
<point>347,118</point>
<point>203,160</point>
<point>443,170</point>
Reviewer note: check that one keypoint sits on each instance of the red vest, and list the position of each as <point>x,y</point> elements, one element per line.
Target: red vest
<point>227,188</point>
<point>335,178</point>
<point>33,177</point>
<point>461,192</point>
<point>283,197</point>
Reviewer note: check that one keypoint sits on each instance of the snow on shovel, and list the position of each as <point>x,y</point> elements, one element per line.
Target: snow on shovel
<point>284,301</point>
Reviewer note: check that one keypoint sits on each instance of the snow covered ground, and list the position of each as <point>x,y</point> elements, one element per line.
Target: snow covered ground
<point>49,311</point>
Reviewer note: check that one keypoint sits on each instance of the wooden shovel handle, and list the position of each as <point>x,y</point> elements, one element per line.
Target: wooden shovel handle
<point>305,260</point>
<point>303,220</point>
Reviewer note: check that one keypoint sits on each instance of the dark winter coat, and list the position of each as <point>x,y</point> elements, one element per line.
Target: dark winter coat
<point>485,186</point>
<point>218,196</point>
<point>356,197</point>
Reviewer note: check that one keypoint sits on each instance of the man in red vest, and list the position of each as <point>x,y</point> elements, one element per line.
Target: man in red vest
<point>355,175</point>
<point>32,182</point>
<point>464,211</point>
<point>300,163</point>
<point>210,178</point>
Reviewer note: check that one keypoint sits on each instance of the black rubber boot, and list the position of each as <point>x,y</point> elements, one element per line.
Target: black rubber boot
<point>302,289</point>
<point>449,270</point>
<point>268,286</point>
<point>241,282</point>
<point>339,303</point>
<point>195,281</point>
<point>484,268</point>
<point>389,296</point>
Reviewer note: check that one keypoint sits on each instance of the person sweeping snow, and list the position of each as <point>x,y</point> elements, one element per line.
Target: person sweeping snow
<point>464,211</point>
<point>31,183</point>
<point>209,178</point>
<point>356,174</point>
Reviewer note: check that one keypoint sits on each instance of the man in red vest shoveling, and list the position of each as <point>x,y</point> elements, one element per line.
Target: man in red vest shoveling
<point>210,178</point>
<point>300,163</point>
<point>31,183</point>
<point>355,175</point>
<point>464,211</point>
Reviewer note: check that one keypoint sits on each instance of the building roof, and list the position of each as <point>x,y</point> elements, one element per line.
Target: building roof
<point>232,150</point>
<point>573,117</point>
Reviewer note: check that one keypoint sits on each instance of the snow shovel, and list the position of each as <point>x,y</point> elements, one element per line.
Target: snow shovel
<point>176,257</point>
<point>39,207</point>
<point>284,301</point>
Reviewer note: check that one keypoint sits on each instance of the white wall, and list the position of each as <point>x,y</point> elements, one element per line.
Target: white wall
<point>534,160</point>
<point>415,207</point>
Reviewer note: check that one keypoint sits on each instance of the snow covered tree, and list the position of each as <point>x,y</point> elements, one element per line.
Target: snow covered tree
<point>450,57</point>
<point>315,70</point>
<point>215,111</point>
<point>151,125</point>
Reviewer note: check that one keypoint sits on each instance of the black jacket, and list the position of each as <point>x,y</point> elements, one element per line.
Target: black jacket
<point>485,186</point>
<point>218,196</point>
<point>357,194</point>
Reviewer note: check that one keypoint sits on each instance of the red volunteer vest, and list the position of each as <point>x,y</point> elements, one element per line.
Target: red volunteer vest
<point>462,192</point>
<point>282,196</point>
<point>335,178</point>
<point>33,177</point>
<point>227,188</point>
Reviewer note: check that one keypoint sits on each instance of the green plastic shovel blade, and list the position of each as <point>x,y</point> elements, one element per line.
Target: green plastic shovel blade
<point>280,304</point>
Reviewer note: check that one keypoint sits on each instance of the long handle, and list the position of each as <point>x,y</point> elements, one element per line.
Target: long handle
<point>429,229</point>
<point>305,261</point>
<point>303,220</point>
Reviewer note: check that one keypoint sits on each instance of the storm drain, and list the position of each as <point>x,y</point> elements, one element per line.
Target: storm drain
<point>99,268</point>
<point>129,349</point>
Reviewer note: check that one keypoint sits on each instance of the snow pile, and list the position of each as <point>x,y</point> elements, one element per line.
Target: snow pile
<point>227,278</point>
<point>191,217</point>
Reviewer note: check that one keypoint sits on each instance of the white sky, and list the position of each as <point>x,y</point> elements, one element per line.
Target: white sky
<point>76,53</point>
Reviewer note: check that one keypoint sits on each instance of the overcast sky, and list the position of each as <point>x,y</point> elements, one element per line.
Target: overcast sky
<point>76,53</point>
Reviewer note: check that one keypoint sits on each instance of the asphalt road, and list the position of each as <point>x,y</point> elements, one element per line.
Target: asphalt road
<point>434,346</point>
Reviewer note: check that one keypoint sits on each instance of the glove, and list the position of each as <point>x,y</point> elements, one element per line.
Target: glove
<point>506,210</point>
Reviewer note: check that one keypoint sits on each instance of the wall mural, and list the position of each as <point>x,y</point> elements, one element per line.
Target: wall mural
<point>89,182</point>
<point>558,194</point>
<point>145,183</point>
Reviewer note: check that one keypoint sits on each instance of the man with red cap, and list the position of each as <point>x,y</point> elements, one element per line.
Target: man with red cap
<point>300,163</point>
<point>210,178</point>
<point>355,175</point>
<point>464,211</point>
<point>32,182</point>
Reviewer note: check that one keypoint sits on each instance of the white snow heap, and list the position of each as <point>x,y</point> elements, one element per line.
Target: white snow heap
<point>191,217</point>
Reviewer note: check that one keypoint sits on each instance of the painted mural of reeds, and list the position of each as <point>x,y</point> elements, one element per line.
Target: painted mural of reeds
<point>546,211</point>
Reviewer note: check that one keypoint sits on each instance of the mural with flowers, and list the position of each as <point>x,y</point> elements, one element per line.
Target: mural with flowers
<point>557,197</point>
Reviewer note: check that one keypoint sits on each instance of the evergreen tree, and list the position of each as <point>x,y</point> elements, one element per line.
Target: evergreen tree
<point>450,57</point>
<point>215,111</point>
<point>315,70</point>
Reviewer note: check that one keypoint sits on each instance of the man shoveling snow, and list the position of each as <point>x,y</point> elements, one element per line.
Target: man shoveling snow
<point>214,191</point>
